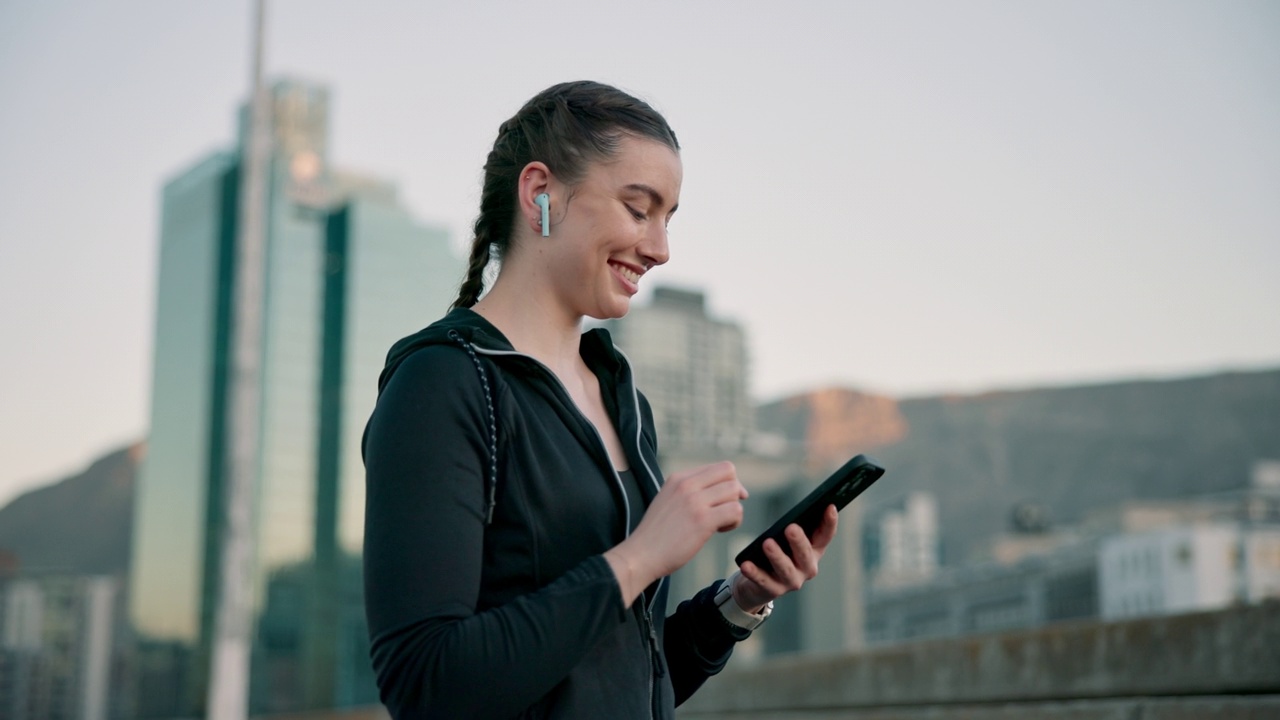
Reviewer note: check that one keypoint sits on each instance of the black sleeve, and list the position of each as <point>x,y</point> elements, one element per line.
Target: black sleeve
<point>433,654</point>
<point>698,642</point>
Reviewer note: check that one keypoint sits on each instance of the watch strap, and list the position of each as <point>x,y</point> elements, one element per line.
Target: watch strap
<point>735,615</point>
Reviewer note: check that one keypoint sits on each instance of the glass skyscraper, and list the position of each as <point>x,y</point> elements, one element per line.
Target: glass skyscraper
<point>348,272</point>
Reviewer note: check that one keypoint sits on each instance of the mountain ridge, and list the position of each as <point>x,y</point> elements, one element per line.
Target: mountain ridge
<point>81,524</point>
<point>1070,449</point>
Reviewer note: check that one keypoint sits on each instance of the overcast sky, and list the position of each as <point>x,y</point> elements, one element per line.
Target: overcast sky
<point>903,197</point>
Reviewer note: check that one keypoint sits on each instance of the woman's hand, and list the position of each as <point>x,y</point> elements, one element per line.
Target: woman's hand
<point>691,506</point>
<point>753,588</point>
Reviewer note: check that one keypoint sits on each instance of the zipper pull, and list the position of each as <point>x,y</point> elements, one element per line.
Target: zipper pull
<point>654,653</point>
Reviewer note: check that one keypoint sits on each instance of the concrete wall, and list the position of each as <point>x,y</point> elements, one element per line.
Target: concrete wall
<point>1224,664</point>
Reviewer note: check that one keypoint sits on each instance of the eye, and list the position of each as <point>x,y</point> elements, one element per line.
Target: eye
<point>636,213</point>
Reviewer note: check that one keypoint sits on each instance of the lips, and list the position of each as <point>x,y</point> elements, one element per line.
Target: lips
<point>632,276</point>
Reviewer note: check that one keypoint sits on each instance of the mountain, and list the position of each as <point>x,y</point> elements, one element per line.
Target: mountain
<point>1071,449</point>
<point>80,525</point>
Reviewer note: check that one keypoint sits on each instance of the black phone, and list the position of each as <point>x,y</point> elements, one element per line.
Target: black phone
<point>842,487</point>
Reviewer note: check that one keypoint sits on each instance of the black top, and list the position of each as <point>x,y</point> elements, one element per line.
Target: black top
<point>635,499</point>
<point>517,615</point>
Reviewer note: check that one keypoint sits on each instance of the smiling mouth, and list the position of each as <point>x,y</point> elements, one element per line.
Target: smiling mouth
<point>631,275</point>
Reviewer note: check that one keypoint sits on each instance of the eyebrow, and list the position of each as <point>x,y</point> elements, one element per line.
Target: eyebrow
<point>652,193</point>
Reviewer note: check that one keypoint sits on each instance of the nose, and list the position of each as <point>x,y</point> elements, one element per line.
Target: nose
<point>654,249</point>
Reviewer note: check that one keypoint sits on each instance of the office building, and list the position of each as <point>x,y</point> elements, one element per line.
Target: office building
<point>693,369</point>
<point>348,271</point>
<point>57,647</point>
<point>1134,560</point>
<point>901,543</point>
<point>1188,568</point>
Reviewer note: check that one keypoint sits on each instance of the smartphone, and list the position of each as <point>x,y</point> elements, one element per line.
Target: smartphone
<point>843,486</point>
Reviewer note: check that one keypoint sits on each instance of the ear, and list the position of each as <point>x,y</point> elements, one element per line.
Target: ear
<point>535,179</point>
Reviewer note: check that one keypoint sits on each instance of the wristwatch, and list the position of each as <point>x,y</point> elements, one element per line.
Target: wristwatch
<point>735,615</point>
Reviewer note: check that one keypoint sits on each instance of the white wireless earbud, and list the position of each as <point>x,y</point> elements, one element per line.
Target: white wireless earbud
<point>543,201</point>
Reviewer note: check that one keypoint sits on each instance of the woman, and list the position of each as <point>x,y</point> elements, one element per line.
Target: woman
<point>517,529</point>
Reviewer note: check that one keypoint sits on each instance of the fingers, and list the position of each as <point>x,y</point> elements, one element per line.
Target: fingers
<point>784,578</point>
<point>727,516</point>
<point>710,496</point>
<point>826,532</point>
<point>713,493</point>
<point>804,558</point>
<point>708,475</point>
<point>790,573</point>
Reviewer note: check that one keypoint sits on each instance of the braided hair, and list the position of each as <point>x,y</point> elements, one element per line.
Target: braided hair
<point>567,127</point>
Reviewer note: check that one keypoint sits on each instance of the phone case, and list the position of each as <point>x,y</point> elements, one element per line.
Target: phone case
<point>840,489</point>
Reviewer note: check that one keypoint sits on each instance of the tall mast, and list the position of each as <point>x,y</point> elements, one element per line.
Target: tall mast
<point>228,697</point>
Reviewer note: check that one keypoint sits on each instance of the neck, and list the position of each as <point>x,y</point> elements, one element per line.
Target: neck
<point>533,321</point>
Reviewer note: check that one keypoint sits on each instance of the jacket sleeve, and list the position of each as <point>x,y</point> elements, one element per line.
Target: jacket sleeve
<point>698,642</point>
<point>434,654</point>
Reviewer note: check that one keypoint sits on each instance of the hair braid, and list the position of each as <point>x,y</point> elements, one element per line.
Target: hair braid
<point>473,283</point>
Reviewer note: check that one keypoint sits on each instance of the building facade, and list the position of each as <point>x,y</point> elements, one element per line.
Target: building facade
<point>57,647</point>
<point>901,544</point>
<point>988,598</point>
<point>693,368</point>
<point>1179,568</point>
<point>1188,568</point>
<point>348,272</point>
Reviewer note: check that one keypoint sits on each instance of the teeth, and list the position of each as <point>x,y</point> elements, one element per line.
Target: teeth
<point>628,273</point>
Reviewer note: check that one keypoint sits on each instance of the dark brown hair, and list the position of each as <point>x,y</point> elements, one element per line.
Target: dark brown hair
<point>567,126</point>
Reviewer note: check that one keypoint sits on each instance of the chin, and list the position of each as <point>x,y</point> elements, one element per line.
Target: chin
<point>612,311</point>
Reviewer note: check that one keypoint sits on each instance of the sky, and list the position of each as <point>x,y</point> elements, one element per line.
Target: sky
<point>907,198</point>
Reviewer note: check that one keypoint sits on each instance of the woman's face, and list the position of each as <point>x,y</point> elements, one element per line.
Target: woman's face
<point>612,228</point>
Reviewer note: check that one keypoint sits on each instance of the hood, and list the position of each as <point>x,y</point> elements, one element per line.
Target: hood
<point>596,345</point>
<point>469,326</point>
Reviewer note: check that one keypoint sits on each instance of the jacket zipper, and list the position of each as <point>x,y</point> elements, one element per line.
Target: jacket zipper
<point>655,653</point>
<point>655,658</point>
<point>626,505</point>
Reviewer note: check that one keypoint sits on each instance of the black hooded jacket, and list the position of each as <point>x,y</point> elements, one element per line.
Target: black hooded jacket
<point>490,501</point>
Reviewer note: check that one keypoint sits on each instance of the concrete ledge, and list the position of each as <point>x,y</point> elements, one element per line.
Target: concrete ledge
<point>1251,707</point>
<point>1229,652</point>
<point>375,712</point>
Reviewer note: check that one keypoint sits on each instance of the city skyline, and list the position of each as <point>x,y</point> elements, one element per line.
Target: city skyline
<point>1047,195</point>
<point>340,281</point>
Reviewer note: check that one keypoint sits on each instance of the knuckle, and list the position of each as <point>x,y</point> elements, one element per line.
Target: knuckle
<point>722,469</point>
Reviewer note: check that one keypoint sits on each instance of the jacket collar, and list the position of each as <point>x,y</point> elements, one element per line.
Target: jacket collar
<point>595,346</point>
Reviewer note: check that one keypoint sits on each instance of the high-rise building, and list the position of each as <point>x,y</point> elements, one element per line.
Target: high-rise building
<point>348,271</point>
<point>692,368</point>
